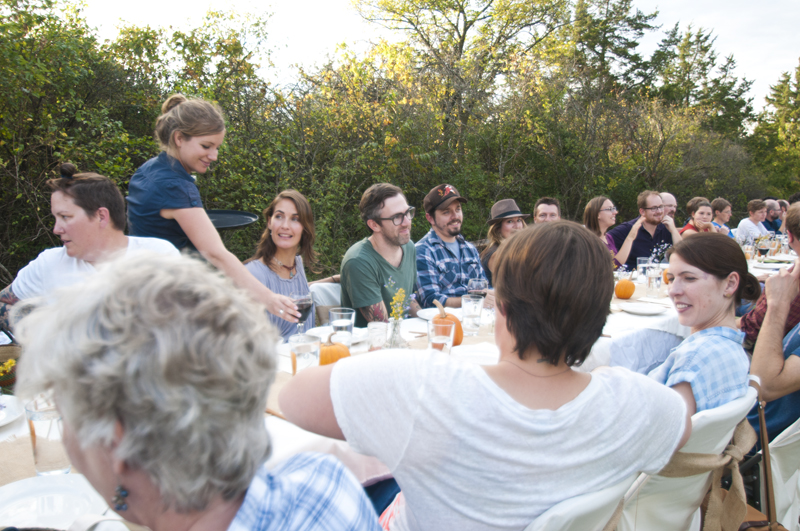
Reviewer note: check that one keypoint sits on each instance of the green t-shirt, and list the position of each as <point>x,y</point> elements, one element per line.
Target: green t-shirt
<point>365,277</point>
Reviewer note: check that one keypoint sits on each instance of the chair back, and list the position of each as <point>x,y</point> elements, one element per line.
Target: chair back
<point>587,512</point>
<point>784,453</point>
<point>656,502</point>
<point>326,295</point>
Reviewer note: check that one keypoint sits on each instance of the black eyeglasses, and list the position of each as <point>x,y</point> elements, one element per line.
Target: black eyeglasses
<point>661,207</point>
<point>397,219</point>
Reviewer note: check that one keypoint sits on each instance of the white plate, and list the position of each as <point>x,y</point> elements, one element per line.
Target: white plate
<point>785,257</point>
<point>48,501</point>
<point>641,308</point>
<point>430,313</point>
<point>773,267</point>
<point>10,409</point>
<point>322,332</point>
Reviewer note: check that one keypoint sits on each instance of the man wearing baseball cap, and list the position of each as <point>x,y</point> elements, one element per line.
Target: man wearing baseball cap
<point>445,260</point>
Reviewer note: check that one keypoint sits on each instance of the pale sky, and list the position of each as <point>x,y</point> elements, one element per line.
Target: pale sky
<point>762,36</point>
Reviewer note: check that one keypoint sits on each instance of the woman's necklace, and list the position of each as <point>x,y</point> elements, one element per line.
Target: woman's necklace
<point>536,375</point>
<point>292,270</point>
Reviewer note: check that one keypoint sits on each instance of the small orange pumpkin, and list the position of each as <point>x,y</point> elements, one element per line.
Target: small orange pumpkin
<point>664,276</point>
<point>330,352</point>
<point>458,335</point>
<point>624,289</point>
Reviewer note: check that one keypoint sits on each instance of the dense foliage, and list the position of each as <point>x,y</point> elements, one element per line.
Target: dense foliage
<point>513,99</point>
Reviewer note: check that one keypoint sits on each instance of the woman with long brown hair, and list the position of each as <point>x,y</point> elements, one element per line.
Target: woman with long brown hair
<point>506,220</point>
<point>286,244</point>
<point>600,215</point>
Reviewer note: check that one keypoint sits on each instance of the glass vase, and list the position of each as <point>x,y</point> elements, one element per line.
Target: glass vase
<point>395,340</point>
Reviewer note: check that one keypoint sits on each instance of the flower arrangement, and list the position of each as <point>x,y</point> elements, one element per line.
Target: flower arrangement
<point>7,375</point>
<point>400,303</point>
<point>659,252</point>
<point>7,366</point>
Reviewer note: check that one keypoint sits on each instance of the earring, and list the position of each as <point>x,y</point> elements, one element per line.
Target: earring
<point>119,499</point>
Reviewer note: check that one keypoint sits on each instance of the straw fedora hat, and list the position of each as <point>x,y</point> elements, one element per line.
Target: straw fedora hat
<point>506,208</point>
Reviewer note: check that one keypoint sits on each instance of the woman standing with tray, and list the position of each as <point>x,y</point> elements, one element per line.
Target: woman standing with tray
<point>164,202</point>
<point>287,241</point>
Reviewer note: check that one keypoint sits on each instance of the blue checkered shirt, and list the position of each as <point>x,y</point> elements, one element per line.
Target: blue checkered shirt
<point>440,274</point>
<point>713,362</point>
<point>306,492</point>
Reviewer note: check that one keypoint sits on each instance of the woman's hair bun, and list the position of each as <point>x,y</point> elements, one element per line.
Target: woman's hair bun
<point>67,170</point>
<point>752,288</point>
<point>172,102</point>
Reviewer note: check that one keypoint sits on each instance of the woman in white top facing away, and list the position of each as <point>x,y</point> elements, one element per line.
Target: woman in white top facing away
<point>492,447</point>
<point>286,243</point>
<point>164,201</point>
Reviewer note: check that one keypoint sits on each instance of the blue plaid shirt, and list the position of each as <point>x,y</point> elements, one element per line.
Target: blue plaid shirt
<point>440,274</point>
<point>713,362</point>
<point>307,492</point>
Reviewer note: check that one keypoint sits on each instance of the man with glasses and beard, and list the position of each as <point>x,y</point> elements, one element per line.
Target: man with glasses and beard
<point>657,228</point>
<point>445,260</point>
<point>374,269</point>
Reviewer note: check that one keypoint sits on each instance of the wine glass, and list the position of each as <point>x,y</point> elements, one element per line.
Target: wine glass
<point>304,305</point>
<point>763,249</point>
<point>478,286</point>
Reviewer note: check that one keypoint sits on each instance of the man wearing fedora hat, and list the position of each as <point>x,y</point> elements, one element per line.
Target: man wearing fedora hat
<point>445,260</point>
<point>506,220</point>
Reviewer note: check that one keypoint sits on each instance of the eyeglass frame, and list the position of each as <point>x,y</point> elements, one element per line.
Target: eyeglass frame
<point>410,213</point>
<point>659,207</point>
<point>612,209</point>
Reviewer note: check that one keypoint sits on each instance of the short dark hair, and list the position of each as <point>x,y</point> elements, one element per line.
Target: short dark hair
<point>755,205</point>
<point>783,203</point>
<point>547,201</point>
<point>374,197</point>
<point>545,308</point>
<point>794,198</point>
<point>719,255</point>
<point>792,221</point>
<point>718,205</point>
<point>641,199</point>
<point>591,212</point>
<point>91,191</point>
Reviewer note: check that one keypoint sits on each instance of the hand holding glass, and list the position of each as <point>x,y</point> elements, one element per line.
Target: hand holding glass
<point>304,304</point>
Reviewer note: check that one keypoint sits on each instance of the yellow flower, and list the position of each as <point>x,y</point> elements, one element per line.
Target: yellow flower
<point>7,366</point>
<point>397,303</point>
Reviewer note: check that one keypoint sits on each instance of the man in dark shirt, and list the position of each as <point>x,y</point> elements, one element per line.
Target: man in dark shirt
<point>774,214</point>
<point>657,229</point>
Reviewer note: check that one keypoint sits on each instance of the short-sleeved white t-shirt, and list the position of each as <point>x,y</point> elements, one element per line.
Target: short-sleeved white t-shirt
<point>54,268</point>
<point>467,456</point>
<point>747,228</point>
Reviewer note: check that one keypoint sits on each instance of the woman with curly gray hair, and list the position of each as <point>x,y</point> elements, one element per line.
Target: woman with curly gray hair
<point>161,368</point>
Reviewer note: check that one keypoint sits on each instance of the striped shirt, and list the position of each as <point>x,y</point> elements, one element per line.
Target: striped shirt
<point>440,274</point>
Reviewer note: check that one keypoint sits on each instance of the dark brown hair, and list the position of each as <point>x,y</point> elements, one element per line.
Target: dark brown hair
<point>718,205</point>
<point>547,201</point>
<point>591,212</point>
<point>374,197</point>
<point>694,205</point>
<point>719,255</point>
<point>190,117</point>
<point>91,191</point>
<point>265,250</point>
<point>535,272</point>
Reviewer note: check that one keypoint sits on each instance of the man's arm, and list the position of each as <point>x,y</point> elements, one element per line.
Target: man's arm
<point>375,312</point>
<point>306,402</point>
<point>779,376</point>
<point>7,300</point>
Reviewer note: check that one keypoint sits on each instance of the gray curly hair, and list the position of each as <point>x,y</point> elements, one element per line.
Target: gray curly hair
<point>176,354</point>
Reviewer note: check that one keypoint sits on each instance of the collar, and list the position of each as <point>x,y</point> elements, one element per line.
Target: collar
<point>436,239</point>
<point>736,336</point>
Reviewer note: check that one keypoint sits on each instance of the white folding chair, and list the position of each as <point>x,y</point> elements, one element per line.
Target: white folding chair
<point>587,512</point>
<point>784,453</point>
<point>666,504</point>
<point>325,295</point>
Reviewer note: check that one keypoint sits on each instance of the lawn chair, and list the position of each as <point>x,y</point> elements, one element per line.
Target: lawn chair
<point>657,502</point>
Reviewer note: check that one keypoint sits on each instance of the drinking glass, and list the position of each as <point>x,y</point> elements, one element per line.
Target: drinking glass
<point>471,307</point>
<point>478,286</point>
<point>305,351</point>
<point>440,335</point>
<point>376,330</point>
<point>642,263</point>
<point>763,249</point>
<point>304,305</point>
<point>342,320</point>
<point>46,427</point>
<point>653,281</point>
